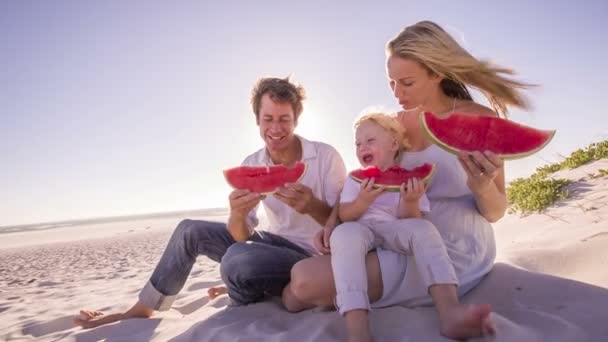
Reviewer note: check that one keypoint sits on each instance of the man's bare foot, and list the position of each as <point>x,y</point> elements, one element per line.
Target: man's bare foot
<point>461,321</point>
<point>91,319</point>
<point>216,291</point>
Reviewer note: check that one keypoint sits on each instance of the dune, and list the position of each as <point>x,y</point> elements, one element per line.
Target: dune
<point>550,283</point>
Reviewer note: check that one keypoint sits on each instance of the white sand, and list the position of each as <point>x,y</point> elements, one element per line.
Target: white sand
<point>550,284</point>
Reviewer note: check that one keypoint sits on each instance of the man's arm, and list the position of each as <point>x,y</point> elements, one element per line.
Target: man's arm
<point>241,203</point>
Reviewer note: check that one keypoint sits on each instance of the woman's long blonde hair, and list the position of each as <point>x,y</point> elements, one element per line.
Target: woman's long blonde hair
<point>430,45</point>
<point>390,125</point>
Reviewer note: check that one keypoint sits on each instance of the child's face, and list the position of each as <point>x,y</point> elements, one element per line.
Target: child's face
<point>375,145</point>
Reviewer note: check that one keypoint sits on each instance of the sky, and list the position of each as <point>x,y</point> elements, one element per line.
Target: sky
<point>128,107</point>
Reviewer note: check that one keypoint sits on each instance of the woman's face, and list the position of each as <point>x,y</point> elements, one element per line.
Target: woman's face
<point>411,83</point>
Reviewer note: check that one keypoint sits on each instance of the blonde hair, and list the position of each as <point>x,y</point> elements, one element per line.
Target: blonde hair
<point>390,125</point>
<point>430,45</point>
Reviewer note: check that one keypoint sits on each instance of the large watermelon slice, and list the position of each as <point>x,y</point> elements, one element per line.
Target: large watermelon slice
<point>263,179</point>
<point>462,132</point>
<point>392,178</point>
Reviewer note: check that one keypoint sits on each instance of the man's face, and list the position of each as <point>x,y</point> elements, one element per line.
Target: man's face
<point>277,123</point>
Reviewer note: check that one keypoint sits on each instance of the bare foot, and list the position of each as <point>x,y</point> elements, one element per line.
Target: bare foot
<point>91,319</point>
<point>462,321</point>
<point>216,291</point>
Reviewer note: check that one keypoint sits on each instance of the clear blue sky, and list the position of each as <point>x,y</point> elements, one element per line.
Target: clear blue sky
<point>124,107</point>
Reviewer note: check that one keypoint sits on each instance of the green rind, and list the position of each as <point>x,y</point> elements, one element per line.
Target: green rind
<point>454,150</point>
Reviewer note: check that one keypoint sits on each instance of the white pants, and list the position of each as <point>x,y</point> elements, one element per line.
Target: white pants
<point>417,238</point>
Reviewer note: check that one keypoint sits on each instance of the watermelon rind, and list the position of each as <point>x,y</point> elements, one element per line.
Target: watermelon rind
<point>225,172</point>
<point>512,156</point>
<point>396,188</point>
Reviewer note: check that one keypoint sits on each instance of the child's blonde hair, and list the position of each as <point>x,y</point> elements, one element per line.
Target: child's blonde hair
<point>390,124</point>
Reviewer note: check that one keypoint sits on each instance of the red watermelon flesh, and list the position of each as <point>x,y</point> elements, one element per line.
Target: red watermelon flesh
<point>464,132</point>
<point>392,178</point>
<point>263,179</point>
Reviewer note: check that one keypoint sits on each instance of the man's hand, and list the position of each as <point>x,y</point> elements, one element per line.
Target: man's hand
<point>242,201</point>
<point>297,196</point>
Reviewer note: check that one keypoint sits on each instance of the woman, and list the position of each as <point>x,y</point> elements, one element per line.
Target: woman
<point>429,71</point>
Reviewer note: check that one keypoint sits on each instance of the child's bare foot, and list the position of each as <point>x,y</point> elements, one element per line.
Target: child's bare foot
<point>216,291</point>
<point>462,321</point>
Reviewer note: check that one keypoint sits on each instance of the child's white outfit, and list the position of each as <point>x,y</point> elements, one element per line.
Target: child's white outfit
<point>380,227</point>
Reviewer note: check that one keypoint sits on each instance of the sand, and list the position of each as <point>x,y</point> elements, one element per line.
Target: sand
<point>550,283</point>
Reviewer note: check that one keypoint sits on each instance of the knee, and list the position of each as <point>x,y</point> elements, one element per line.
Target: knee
<point>185,229</point>
<point>350,235</point>
<point>423,230</point>
<point>236,264</point>
<point>195,230</point>
<point>301,284</point>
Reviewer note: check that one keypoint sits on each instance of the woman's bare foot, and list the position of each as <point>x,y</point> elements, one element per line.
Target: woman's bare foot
<point>91,319</point>
<point>461,321</point>
<point>216,291</point>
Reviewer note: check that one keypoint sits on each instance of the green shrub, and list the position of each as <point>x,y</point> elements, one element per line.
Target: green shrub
<point>546,170</point>
<point>580,157</point>
<point>535,194</point>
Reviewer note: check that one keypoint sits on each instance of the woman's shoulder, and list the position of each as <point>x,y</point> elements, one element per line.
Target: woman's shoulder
<point>470,107</point>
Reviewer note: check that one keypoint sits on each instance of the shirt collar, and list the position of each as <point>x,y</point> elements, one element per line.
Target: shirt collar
<point>308,151</point>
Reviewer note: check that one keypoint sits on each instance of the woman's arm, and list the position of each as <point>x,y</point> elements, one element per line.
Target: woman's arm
<point>485,174</point>
<point>488,187</point>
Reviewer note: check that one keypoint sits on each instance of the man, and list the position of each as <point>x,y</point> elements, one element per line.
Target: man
<point>253,263</point>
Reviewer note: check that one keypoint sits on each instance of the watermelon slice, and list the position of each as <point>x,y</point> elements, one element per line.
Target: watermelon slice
<point>263,179</point>
<point>462,132</point>
<point>392,178</point>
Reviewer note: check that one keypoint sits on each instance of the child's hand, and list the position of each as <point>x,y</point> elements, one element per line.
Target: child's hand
<point>368,193</point>
<point>412,191</point>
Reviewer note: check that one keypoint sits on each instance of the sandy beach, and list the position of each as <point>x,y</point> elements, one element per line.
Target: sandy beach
<point>550,283</point>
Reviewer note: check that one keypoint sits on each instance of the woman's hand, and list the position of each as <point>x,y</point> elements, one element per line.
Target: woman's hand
<point>481,169</point>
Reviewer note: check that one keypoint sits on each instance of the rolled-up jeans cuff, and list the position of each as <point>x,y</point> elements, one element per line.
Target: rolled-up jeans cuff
<point>352,300</point>
<point>152,298</point>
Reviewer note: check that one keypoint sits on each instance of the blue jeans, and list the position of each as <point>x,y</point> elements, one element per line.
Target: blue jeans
<point>250,270</point>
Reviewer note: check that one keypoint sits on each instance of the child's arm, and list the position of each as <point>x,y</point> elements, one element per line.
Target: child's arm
<point>409,203</point>
<point>352,211</point>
